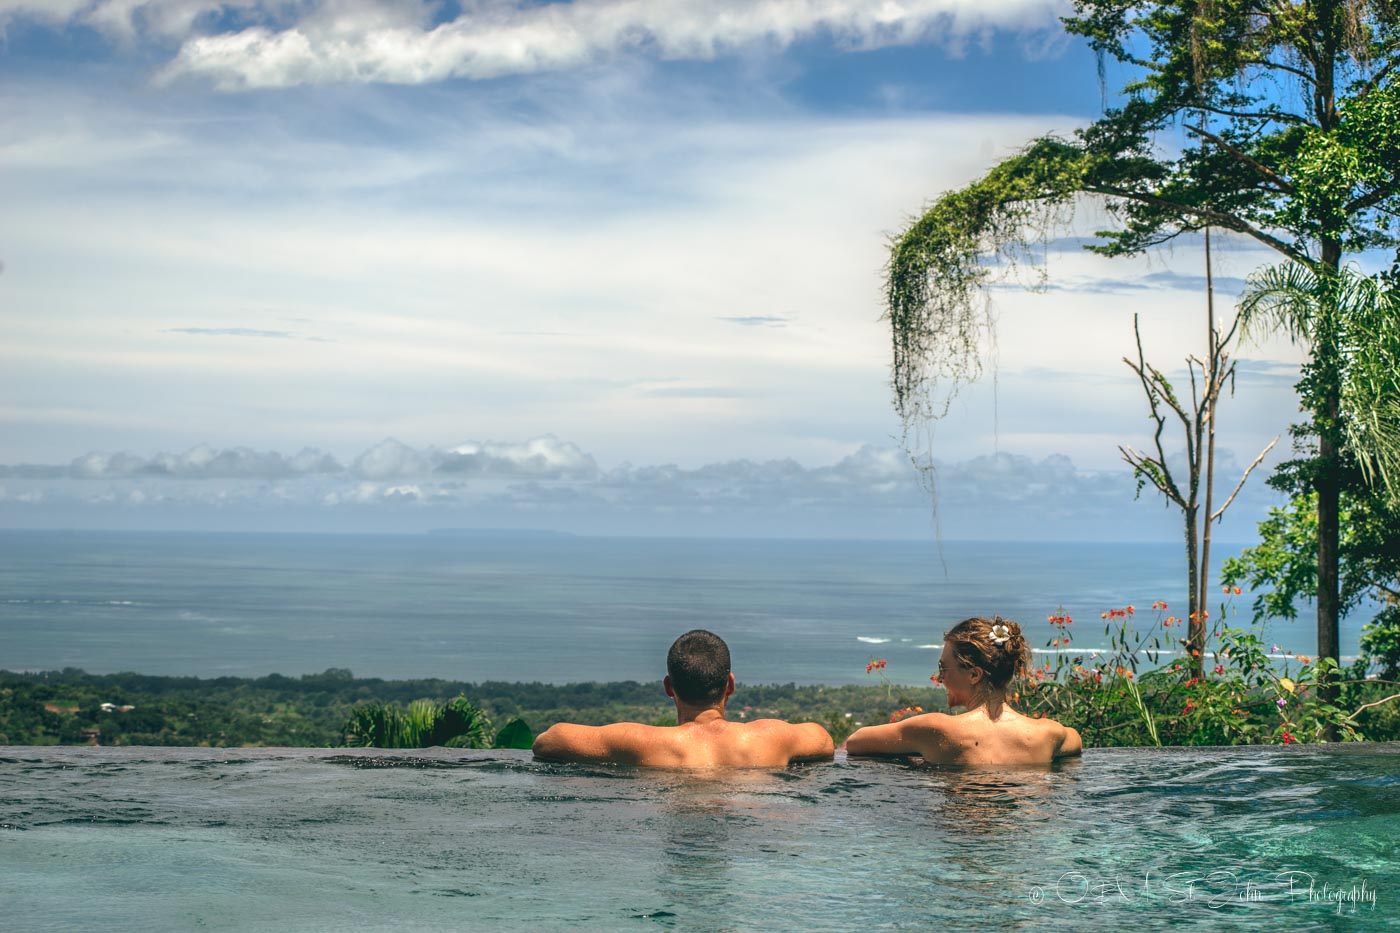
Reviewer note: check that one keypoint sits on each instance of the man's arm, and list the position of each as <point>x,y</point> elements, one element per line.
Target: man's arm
<point>568,742</point>
<point>1071,744</point>
<point>810,742</point>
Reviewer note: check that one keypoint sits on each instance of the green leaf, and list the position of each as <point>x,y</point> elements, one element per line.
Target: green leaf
<point>515,734</point>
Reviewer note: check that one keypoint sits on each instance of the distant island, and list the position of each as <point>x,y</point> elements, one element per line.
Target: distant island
<point>525,533</point>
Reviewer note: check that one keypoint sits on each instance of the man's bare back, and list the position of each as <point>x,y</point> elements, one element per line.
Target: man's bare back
<point>700,682</point>
<point>708,741</point>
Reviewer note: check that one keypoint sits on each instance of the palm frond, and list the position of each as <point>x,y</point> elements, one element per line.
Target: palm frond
<point>1364,319</point>
<point>1280,298</point>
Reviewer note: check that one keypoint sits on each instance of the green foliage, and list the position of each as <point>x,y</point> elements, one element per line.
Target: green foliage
<point>937,269</point>
<point>422,724</point>
<point>514,734</point>
<point>1282,568</point>
<point>1245,699</point>
<point>1352,322</point>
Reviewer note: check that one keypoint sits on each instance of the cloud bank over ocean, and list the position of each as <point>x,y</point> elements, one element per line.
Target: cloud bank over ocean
<point>549,483</point>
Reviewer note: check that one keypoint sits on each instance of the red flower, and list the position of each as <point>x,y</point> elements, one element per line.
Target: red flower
<point>1289,738</point>
<point>1220,668</point>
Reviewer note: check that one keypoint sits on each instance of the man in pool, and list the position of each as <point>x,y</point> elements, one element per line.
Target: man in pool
<point>699,680</point>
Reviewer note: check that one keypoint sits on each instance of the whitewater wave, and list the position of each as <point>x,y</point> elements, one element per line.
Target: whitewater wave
<point>869,640</point>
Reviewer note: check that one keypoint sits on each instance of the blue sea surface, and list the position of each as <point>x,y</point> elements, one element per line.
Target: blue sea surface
<point>552,608</point>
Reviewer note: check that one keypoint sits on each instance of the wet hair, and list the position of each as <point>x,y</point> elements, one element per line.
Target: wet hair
<point>971,641</point>
<point>698,663</point>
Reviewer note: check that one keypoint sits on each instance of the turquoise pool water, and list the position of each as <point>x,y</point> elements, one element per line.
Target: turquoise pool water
<point>323,839</point>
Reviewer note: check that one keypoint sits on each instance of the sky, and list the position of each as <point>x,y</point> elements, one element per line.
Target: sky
<point>602,266</point>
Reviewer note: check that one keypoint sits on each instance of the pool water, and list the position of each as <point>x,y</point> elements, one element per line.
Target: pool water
<point>1298,838</point>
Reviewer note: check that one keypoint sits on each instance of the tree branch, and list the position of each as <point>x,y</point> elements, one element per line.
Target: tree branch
<point>1280,116</point>
<point>1218,218</point>
<point>1154,396</point>
<point>1374,81</point>
<point>1282,183</point>
<point>1240,485</point>
<point>1137,461</point>
<point>1368,200</point>
<point>1394,696</point>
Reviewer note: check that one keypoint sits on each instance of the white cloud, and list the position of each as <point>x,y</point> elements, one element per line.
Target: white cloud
<point>389,458</point>
<point>127,19</point>
<point>359,43</point>
<point>552,483</point>
<point>540,456</point>
<point>201,462</point>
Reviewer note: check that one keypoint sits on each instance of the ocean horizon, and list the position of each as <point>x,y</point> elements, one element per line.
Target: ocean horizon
<point>555,607</point>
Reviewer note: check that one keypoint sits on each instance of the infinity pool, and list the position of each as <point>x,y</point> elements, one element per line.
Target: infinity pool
<point>1300,838</point>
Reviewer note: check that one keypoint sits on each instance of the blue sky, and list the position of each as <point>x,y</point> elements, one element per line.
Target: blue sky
<point>633,250</point>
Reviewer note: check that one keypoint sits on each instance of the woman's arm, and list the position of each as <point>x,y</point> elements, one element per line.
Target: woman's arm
<point>1071,744</point>
<point>912,736</point>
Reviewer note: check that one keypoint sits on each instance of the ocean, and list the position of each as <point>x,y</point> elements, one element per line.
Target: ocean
<point>556,608</point>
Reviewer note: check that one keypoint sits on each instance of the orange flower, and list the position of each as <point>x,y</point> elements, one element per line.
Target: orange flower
<point>1238,591</point>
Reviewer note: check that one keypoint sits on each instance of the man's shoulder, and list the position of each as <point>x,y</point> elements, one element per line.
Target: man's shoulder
<point>758,726</point>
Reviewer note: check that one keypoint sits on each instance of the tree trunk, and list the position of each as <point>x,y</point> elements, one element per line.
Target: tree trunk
<point>1212,380</point>
<point>1195,632</point>
<point>1327,482</point>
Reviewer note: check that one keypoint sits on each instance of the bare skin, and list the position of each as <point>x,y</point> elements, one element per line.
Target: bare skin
<point>702,738</point>
<point>989,733</point>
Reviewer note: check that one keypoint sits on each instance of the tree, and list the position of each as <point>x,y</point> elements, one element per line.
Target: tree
<point>1278,120</point>
<point>1353,321</point>
<point>1198,420</point>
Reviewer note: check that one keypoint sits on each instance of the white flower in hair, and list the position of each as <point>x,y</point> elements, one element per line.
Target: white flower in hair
<point>1000,633</point>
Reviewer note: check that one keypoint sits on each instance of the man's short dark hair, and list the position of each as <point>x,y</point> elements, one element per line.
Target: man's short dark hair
<point>698,663</point>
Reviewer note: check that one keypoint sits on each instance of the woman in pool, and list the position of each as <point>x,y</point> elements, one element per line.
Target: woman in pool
<point>979,659</point>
